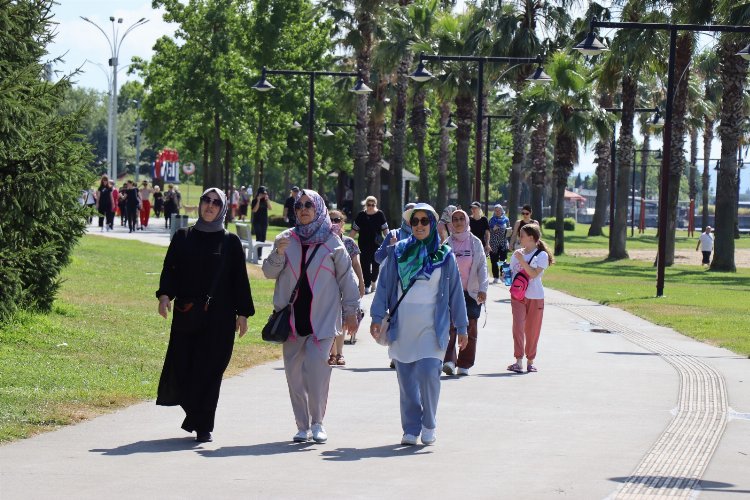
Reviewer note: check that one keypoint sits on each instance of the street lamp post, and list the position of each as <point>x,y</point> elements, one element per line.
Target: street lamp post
<point>591,46</point>
<point>115,43</point>
<point>263,86</point>
<point>137,141</point>
<point>422,75</point>
<point>487,166</point>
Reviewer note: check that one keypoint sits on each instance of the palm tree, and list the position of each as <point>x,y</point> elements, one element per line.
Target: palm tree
<point>707,67</point>
<point>573,114</point>
<point>538,152</point>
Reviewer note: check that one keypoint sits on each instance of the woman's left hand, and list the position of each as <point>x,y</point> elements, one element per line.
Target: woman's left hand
<point>350,324</point>
<point>463,341</point>
<point>481,297</point>
<point>241,325</point>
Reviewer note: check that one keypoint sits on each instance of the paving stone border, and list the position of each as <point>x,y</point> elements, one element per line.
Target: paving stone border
<point>675,463</point>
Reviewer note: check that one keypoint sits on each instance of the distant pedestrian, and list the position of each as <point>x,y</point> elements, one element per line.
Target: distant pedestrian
<point>244,202</point>
<point>425,275</point>
<point>480,226</point>
<point>145,193</point>
<point>327,287</point>
<point>158,201</point>
<point>288,213</point>
<point>122,204</point>
<point>444,224</point>
<point>533,257</point>
<point>472,267</point>
<point>498,240</point>
<point>372,227</point>
<point>170,205</point>
<point>515,242</point>
<point>706,245</point>
<point>132,205</point>
<point>260,207</point>
<point>105,203</point>
<point>204,270</point>
<point>394,236</point>
<point>347,204</point>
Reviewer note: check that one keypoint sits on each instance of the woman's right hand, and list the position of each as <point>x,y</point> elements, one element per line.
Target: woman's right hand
<point>164,305</point>
<point>375,330</point>
<point>281,245</point>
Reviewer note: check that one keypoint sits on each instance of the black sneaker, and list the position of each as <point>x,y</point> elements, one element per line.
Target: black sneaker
<point>204,437</point>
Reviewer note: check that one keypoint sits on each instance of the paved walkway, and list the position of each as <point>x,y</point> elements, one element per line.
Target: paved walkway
<point>620,408</point>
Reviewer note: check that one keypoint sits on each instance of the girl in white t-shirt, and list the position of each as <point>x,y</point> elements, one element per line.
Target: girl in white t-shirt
<point>528,312</point>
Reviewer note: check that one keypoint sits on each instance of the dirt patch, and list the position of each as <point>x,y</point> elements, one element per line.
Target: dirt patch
<point>741,256</point>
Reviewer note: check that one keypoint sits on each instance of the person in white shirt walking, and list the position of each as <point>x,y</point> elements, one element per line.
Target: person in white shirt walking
<point>706,245</point>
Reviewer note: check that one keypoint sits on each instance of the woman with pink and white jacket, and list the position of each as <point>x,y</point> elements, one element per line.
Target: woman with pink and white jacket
<point>328,286</point>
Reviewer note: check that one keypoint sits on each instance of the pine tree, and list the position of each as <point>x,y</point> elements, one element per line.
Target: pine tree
<point>42,163</point>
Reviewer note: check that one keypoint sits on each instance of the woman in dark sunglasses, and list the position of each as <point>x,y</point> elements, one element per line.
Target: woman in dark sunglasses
<point>515,241</point>
<point>327,287</point>
<point>425,274</point>
<point>204,273</point>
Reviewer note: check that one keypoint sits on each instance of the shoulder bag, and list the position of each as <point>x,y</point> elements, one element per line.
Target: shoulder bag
<point>521,281</point>
<point>386,323</point>
<point>279,324</point>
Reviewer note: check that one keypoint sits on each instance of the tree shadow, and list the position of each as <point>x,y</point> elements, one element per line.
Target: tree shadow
<point>257,450</point>
<point>366,370</point>
<point>627,353</point>
<point>687,481</point>
<point>154,446</point>
<point>387,451</point>
<point>497,375</point>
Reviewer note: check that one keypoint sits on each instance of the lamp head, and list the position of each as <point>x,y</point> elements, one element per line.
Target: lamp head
<point>112,18</point>
<point>744,53</point>
<point>263,85</point>
<point>421,74</point>
<point>656,121</point>
<point>591,46</point>
<point>327,133</point>
<point>360,88</point>
<point>450,125</point>
<point>539,76</point>
<point>296,124</point>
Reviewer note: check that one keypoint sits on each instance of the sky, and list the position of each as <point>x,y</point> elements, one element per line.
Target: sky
<point>78,41</point>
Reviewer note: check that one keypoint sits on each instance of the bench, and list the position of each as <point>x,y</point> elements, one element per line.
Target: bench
<point>251,247</point>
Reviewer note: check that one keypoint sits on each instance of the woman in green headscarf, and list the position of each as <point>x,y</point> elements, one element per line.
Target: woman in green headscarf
<point>425,273</point>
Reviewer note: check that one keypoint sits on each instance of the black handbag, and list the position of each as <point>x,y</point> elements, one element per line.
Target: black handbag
<point>279,324</point>
<point>191,313</point>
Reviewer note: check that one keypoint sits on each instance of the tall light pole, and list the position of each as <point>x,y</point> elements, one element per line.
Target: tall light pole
<point>487,166</point>
<point>591,46</point>
<point>422,75</point>
<point>115,42</point>
<point>263,86</point>
<point>138,141</point>
<point>109,115</point>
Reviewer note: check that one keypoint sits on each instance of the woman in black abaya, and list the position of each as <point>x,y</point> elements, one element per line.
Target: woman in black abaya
<point>202,261</point>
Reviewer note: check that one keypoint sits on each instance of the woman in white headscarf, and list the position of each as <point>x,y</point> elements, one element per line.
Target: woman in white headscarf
<point>204,273</point>
<point>327,286</point>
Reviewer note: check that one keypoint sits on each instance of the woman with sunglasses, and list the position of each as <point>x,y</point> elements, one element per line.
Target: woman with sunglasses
<point>472,266</point>
<point>204,270</point>
<point>426,275</point>
<point>338,219</point>
<point>327,286</point>
<point>372,228</point>
<point>515,241</point>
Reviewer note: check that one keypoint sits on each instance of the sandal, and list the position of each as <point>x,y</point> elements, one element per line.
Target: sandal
<point>515,367</point>
<point>332,360</point>
<point>340,360</point>
<point>531,369</point>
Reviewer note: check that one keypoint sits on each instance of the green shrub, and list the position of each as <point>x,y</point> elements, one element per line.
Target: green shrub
<point>569,224</point>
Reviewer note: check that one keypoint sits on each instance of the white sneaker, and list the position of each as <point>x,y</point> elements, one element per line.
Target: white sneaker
<point>319,433</point>
<point>367,290</point>
<point>496,281</point>
<point>462,372</point>
<point>428,436</point>
<point>409,439</point>
<point>449,367</point>
<point>302,437</point>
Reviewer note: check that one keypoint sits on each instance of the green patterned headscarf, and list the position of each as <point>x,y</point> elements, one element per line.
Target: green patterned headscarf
<point>417,258</point>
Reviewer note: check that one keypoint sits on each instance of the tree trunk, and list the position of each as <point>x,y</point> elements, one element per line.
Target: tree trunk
<point>206,169</point>
<point>259,146</point>
<point>603,152</point>
<point>563,165</point>
<point>644,173</point>
<point>464,120</point>
<point>733,75</point>
<point>361,132</point>
<point>692,178</point>
<point>618,238</point>
<point>684,51</point>
<point>538,152</point>
<point>443,157</point>
<point>708,137</point>
<point>375,139</point>
<point>229,185</point>
<point>398,143</point>
<point>418,124</point>
<point>519,153</point>
<point>215,176</point>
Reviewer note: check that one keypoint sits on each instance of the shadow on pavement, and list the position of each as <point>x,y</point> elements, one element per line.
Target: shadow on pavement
<point>390,450</point>
<point>155,446</point>
<point>261,449</point>
<point>701,485</point>
<point>629,353</point>
<point>366,370</point>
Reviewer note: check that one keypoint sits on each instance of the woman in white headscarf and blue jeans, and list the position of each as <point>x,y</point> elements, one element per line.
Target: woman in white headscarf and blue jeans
<point>425,272</point>
<point>327,286</point>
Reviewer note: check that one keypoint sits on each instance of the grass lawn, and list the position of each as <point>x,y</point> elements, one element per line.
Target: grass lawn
<point>103,344</point>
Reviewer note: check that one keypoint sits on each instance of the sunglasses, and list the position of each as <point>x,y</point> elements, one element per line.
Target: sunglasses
<point>525,213</point>
<point>458,219</point>
<point>336,220</point>
<point>371,205</point>
<point>415,221</point>
<point>211,201</point>
<point>299,205</point>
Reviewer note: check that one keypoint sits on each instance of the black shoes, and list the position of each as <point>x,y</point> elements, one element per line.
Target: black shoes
<point>204,437</point>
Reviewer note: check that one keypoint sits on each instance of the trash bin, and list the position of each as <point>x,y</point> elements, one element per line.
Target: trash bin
<point>177,221</point>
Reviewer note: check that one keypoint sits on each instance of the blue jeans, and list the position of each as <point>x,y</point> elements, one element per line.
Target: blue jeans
<point>419,386</point>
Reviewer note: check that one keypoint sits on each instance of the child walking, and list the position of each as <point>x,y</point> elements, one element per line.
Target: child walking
<point>533,257</point>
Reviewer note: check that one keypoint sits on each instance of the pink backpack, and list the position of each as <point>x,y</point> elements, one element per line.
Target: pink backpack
<point>521,282</point>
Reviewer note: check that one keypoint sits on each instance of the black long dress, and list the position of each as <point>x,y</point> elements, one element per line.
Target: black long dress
<point>196,361</point>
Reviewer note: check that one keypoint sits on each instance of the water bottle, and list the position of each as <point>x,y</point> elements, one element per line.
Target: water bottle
<point>507,278</point>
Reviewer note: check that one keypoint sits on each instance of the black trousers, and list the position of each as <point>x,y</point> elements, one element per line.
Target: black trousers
<point>500,255</point>
<point>370,268</point>
<point>260,231</point>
